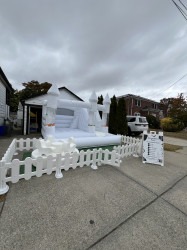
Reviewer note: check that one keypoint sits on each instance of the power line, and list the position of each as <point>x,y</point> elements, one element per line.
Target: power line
<point>180,9</point>
<point>175,83</point>
<point>183,4</point>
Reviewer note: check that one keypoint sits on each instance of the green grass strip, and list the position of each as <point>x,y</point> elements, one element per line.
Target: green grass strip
<point>22,167</point>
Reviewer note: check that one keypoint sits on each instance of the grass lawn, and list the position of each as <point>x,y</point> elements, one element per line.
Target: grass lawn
<point>109,147</point>
<point>22,167</point>
<point>180,135</point>
<point>172,148</point>
<point>2,197</point>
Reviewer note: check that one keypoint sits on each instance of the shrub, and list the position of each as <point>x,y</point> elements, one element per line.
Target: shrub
<point>121,118</point>
<point>171,125</point>
<point>112,116</point>
<point>153,121</point>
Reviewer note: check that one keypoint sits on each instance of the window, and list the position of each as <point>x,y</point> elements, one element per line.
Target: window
<point>154,105</point>
<point>142,120</point>
<point>138,102</point>
<point>131,119</point>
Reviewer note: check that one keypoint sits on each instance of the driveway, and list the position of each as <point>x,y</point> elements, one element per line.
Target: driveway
<point>136,206</point>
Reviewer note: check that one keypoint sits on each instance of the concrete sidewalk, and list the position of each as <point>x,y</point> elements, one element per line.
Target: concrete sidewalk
<point>136,206</point>
<point>175,141</point>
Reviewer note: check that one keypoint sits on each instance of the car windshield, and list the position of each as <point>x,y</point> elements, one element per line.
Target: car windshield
<point>142,120</point>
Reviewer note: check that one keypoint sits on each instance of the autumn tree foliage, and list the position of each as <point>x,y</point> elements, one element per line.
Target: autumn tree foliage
<point>31,89</point>
<point>176,110</point>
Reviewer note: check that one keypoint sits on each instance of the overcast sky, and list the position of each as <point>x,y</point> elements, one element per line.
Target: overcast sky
<point>115,46</point>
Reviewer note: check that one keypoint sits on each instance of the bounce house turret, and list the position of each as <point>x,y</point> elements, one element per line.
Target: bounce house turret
<point>93,101</point>
<point>106,110</point>
<point>53,94</point>
<point>107,102</point>
<point>92,111</point>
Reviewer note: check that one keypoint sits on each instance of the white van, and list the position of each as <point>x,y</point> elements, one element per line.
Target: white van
<point>136,124</point>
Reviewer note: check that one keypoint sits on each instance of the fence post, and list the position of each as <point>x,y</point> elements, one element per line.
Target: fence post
<point>3,186</point>
<point>115,159</point>
<point>136,149</point>
<point>94,160</point>
<point>58,173</point>
<point>140,147</point>
<point>100,156</point>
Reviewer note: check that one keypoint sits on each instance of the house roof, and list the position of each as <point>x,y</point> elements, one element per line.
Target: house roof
<point>61,88</point>
<point>137,97</point>
<point>5,80</point>
<point>70,92</point>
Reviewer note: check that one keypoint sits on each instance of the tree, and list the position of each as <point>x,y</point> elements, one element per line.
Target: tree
<point>153,122</point>
<point>121,119</point>
<point>14,101</point>
<point>33,89</point>
<point>176,108</point>
<point>100,101</point>
<point>112,116</point>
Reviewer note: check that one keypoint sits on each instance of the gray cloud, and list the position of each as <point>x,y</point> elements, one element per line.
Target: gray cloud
<point>118,47</point>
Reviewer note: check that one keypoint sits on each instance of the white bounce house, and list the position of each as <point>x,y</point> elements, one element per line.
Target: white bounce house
<point>83,122</point>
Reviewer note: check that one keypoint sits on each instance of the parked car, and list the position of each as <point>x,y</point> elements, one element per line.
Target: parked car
<point>136,124</point>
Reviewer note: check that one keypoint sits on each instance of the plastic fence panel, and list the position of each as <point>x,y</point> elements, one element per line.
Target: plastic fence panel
<point>49,164</point>
<point>28,168</point>
<point>28,142</point>
<point>81,158</point>
<point>88,157</point>
<point>39,166</point>
<point>75,157</point>
<point>15,170</point>
<point>67,161</point>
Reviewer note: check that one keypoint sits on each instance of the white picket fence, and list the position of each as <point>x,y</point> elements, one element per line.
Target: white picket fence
<point>127,150</point>
<point>49,164</point>
<point>18,145</point>
<point>129,140</point>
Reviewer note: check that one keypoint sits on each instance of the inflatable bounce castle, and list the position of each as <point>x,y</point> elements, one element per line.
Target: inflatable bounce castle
<point>80,121</point>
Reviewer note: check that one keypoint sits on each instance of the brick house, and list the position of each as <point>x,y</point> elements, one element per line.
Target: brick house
<point>143,106</point>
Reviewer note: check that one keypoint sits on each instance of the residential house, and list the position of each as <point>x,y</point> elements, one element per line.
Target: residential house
<point>5,91</point>
<point>143,106</point>
<point>32,110</point>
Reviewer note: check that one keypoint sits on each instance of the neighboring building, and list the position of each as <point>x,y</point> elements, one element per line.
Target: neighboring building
<point>32,110</point>
<point>5,91</point>
<point>137,104</point>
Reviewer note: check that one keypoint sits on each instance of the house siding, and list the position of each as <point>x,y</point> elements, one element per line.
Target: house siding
<point>2,103</point>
